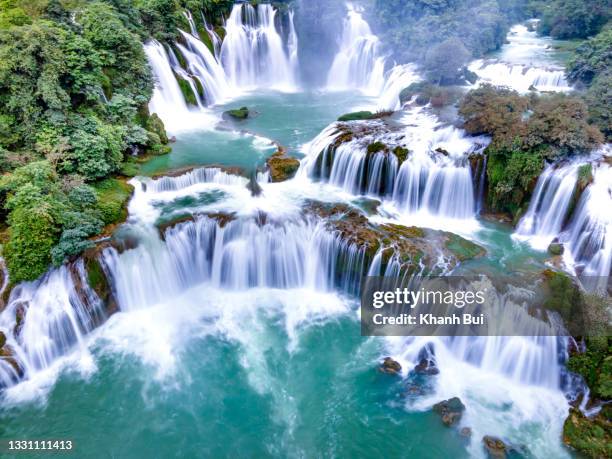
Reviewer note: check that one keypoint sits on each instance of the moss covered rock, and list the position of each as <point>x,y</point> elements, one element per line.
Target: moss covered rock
<point>592,437</point>
<point>462,248</point>
<point>239,114</point>
<point>365,115</point>
<point>113,196</point>
<point>281,166</point>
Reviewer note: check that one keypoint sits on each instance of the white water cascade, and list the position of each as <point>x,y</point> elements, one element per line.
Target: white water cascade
<point>589,238</point>
<point>358,63</point>
<point>254,53</point>
<point>434,182</point>
<point>46,319</point>
<point>549,206</point>
<point>168,101</point>
<point>204,66</point>
<point>524,64</point>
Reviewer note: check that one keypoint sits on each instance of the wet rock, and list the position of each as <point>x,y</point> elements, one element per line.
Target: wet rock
<point>462,248</point>
<point>466,432</point>
<point>414,390</point>
<point>450,410</point>
<point>495,447</point>
<point>390,366</point>
<point>556,249</point>
<point>239,114</point>
<point>282,167</point>
<point>172,139</point>
<point>8,355</point>
<point>2,339</point>
<point>254,187</point>
<point>20,313</point>
<point>426,367</point>
<point>442,151</point>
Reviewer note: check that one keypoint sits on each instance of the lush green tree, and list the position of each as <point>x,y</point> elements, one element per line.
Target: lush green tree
<point>591,58</point>
<point>574,18</point>
<point>444,61</point>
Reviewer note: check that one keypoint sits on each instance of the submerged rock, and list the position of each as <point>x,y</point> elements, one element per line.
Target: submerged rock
<point>282,167</point>
<point>450,410</point>
<point>465,432</point>
<point>390,366</point>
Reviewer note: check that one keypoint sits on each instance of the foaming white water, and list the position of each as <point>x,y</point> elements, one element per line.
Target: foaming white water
<point>358,63</point>
<point>520,77</point>
<point>434,182</point>
<point>56,313</point>
<point>525,63</point>
<point>168,101</point>
<point>398,78</point>
<point>205,67</point>
<point>549,206</point>
<point>589,237</point>
<point>254,54</point>
<point>236,255</point>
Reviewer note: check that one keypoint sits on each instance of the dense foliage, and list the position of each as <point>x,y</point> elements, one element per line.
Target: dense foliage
<point>574,18</point>
<point>525,131</point>
<point>413,27</point>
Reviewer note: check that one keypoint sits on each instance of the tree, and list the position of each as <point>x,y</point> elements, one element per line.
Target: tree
<point>444,61</point>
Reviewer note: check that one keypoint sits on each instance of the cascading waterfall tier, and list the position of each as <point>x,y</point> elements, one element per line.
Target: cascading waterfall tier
<point>524,64</point>
<point>423,168</point>
<point>46,319</point>
<point>549,206</point>
<point>589,236</point>
<point>168,100</point>
<point>255,52</point>
<point>358,63</point>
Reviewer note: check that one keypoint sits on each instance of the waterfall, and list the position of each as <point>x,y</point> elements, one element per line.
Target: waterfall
<point>549,206</point>
<point>358,63</point>
<point>205,67</point>
<point>524,63</point>
<point>238,255</point>
<point>168,101</point>
<point>435,180</point>
<point>589,237</point>
<point>191,178</point>
<point>253,52</point>
<point>398,78</point>
<point>56,313</point>
<point>520,77</point>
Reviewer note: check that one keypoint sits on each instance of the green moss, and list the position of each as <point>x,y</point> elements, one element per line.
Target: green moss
<point>595,366</point>
<point>564,296</point>
<point>585,175</point>
<point>241,113</point>
<point>591,437</point>
<point>95,276</point>
<point>179,56</point>
<point>113,195</point>
<point>156,125</point>
<point>185,87</point>
<point>205,37</point>
<point>354,116</point>
<point>462,248</point>
<point>404,231</point>
<point>376,147</point>
<point>401,154</point>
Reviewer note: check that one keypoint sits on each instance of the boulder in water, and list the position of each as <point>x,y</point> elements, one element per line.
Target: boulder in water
<point>556,248</point>
<point>426,367</point>
<point>282,167</point>
<point>450,410</point>
<point>465,432</point>
<point>390,366</point>
<point>240,114</point>
<point>495,447</point>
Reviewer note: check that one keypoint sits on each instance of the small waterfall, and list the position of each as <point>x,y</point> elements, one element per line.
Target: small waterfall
<point>358,64</point>
<point>216,40</point>
<point>398,78</point>
<point>589,237</point>
<point>237,255</point>
<point>520,77</point>
<point>168,101</point>
<point>193,177</point>
<point>549,206</point>
<point>47,318</point>
<point>205,67</point>
<point>254,53</point>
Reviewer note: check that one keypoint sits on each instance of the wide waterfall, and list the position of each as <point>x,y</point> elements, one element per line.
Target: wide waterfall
<point>435,179</point>
<point>255,53</point>
<point>549,206</point>
<point>589,238</point>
